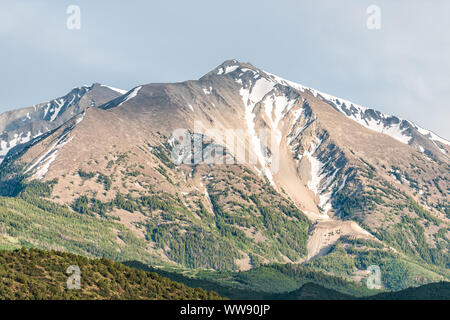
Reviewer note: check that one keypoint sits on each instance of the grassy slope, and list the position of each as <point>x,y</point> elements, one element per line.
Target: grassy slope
<point>43,225</point>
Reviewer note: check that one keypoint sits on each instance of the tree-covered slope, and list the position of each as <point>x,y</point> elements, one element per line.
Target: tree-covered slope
<point>234,228</point>
<point>264,282</point>
<point>311,291</point>
<point>294,282</point>
<point>431,291</point>
<point>39,274</point>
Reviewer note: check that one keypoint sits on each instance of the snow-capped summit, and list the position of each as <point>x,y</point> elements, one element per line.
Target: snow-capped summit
<point>400,129</point>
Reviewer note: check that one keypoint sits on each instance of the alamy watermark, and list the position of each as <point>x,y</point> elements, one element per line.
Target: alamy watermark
<point>74,279</point>
<point>74,19</point>
<point>373,21</point>
<point>227,146</point>
<point>374,279</point>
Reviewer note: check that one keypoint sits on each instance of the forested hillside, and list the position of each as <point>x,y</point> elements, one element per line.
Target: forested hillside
<point>39,274</point>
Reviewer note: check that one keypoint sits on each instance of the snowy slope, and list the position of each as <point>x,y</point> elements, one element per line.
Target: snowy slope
<point>400,129</point>
<point>22,125</point>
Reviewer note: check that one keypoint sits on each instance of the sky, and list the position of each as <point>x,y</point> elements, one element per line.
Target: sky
<point>402,68</point>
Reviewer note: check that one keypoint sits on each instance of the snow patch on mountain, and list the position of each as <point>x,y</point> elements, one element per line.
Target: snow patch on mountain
<point>250,97</point>
<point>316,167</point>
<point>228,69</point>
<point>121,91</point>
<point>5,146</point>
<point>207,91</point>
<point>133,93</point>
<point>41,166</point>
<point>57,109</point>
<point>432,136</point>
<point>275,105</point>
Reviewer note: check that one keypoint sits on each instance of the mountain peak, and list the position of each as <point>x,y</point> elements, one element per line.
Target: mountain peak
<point>229,66</point>
<point>248,76</point>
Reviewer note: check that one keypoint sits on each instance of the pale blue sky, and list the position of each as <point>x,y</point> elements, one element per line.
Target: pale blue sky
<point>402,69</point>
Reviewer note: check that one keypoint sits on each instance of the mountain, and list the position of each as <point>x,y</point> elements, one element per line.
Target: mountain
<point>22,125</point>
<point>41,275</point>
<point>158,172</point>
<point>431,291</point>
<point>311,291</point>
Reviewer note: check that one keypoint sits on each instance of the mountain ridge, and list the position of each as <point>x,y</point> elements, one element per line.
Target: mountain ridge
<point>367,116</point>
<point>19,126</point>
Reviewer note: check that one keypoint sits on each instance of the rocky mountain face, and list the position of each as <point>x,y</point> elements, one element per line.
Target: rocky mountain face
<point>22,125</point>
<point>242,168</point>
